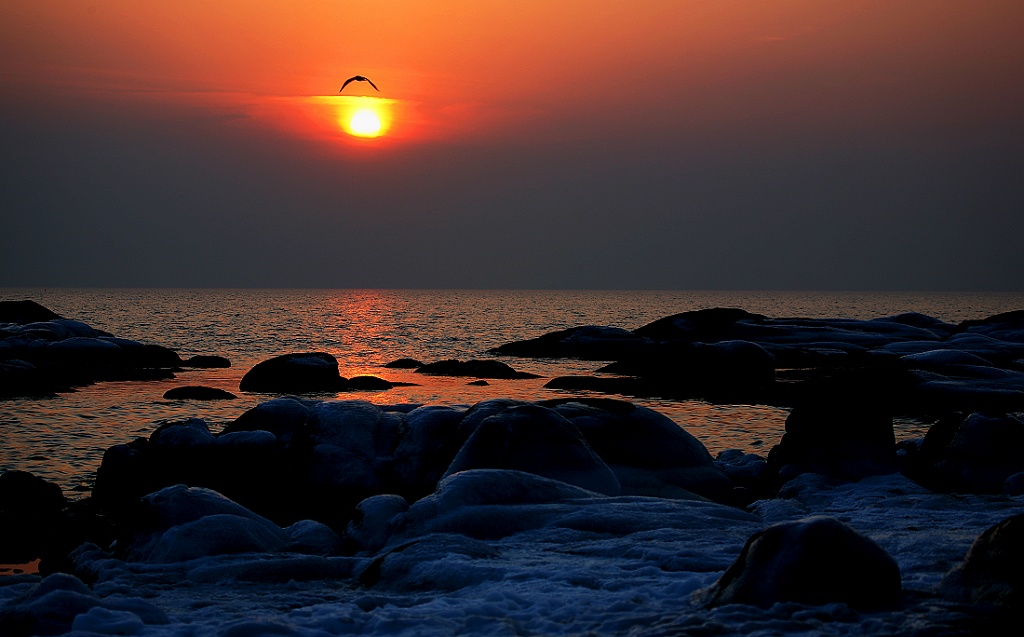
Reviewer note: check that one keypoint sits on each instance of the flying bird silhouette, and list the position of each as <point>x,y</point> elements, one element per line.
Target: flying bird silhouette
<point>358,78</point>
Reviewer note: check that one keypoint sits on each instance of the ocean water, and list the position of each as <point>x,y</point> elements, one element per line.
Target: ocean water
<point>63,439</point>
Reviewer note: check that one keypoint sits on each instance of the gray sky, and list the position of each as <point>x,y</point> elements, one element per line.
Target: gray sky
<point>805,146</point>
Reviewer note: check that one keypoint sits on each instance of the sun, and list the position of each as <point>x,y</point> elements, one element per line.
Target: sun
<point>364,123</point>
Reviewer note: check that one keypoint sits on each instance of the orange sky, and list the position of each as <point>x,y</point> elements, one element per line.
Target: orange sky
<point>534,70</point>
<point>788,144</point>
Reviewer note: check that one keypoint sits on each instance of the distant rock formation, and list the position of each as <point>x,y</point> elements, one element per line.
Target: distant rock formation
<point>42,354</point>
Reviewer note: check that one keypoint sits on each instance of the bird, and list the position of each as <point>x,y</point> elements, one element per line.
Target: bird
<point>358,78</point>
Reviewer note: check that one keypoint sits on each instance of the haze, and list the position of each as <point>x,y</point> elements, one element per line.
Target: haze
<point>598,144</point>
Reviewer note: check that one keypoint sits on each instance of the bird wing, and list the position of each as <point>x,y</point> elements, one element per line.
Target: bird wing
<point>372,84</point>
<point>346,83</point>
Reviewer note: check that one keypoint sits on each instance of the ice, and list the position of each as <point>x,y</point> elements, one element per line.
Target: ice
<point>500,553</point>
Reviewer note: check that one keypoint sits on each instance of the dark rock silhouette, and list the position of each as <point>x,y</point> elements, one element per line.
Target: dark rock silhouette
<point>298,373</point>
<point>815,561</point>
<point>978,453</point>
<point>42,354</point>
<point>404,363</point>
<point>836,434</point>
<point>198,392</point>
<point>923,366</point>
<point>589,342</point>
<point>993,570</point>
<point>290,459</point>
<point>649,453</point>
<point>30,516</point>
<point>368,383</point>
<point>536,440</point>
<point>26,311</point>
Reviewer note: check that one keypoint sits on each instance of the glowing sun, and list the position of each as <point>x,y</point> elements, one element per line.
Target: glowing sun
<point>364,123</point>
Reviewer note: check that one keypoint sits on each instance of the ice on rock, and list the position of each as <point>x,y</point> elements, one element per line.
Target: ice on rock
<point>61,602</point>
<point>104,621</point>
<point>312,537</point>
<point>212,535</point>
<point>191,522</point>
<point>536,440</point>
<point>375,519</point>
<point>192,432</point>
<point>817,560</point>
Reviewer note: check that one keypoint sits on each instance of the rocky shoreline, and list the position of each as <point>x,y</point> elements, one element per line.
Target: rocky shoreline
<point>383,497</point>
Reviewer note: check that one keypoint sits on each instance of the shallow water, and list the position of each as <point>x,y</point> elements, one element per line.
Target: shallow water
<point>62,439</point>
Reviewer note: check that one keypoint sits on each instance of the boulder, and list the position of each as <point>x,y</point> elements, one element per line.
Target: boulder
<point>31,516</point>
<point>977,454</point>
<point>61,603</point>
<point>404,363</point>
<point>368,383</point>
<point>815,561</point>
<point>648,452</point>
<point>184,523</point>
<point>430,438</point>
<point>993,570</point>
<point>298,373</point>
<point>840,436</point>
<point>536,440</point>
<point>283,417</point>
<point>198,392</point>
<point>26,311</point>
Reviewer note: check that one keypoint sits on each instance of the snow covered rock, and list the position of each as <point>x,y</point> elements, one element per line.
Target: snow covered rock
<point>60,603</point>
<point>648,452</point>
<point>993,570</point>
<point>817,560</point>
<point>536,440</point>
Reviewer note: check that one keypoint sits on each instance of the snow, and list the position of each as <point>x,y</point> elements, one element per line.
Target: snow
<point>539,557</point>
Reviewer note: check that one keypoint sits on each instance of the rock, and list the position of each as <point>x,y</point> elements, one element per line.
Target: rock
<point>725,371</point>
<point>283,417</point>
<point>977,454</point>
<point>298,373</point>
<point>368,383</point>
<point>487,504</point>
<point>375,519</point>
<point>535,440</point>
<point>816,561</point>
<point>198,392</point>
<point>404,363</point>
<point>993,570</point>
<point>206,362</point>
<point>23,492</point>
<point>61,602</point>
<point>22,379</point>
<point>31,516</point>
<point>475,368</point>
<point>478,383</point>
<point>192,432</point>
<point>838,435</point>
<point>313,538</point>
<point>648,452</point>
<point>589,342</point>
<point>430,438</point>
<point>184,523</point>
<point>26,311</point>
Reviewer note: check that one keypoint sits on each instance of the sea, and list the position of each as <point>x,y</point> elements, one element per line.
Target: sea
<point>63,439</point>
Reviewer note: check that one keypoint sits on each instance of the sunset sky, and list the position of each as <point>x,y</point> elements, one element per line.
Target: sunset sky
<point>677,144</point>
